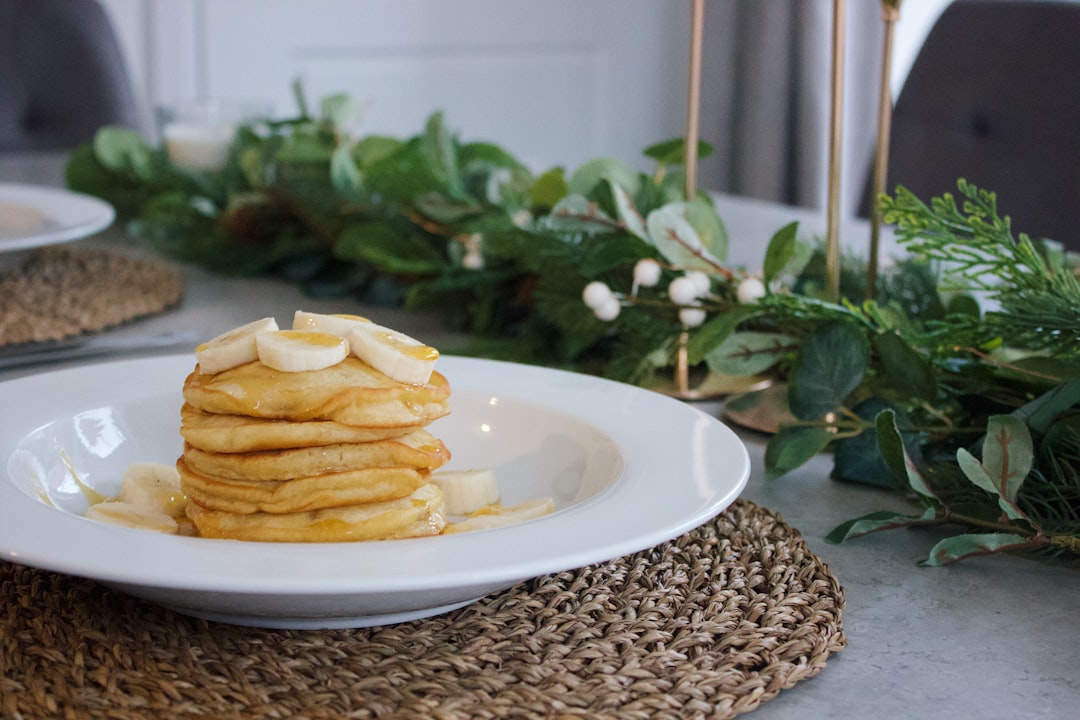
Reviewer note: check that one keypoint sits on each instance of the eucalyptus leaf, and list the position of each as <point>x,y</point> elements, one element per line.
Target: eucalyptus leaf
<point>341,111</point>
<point>780,251</point>
<point>875,521</point>
<point>672,152</point>
<point>574,213</point>
<point>895,455</point>
<point>1008,453</point>
<point>1041,413</point>
<point>345,175</point>
<point>627,213</point>
<point>717,329</point>
<point>403,174</point>
<point>975,472</point>
<point>671,232</point>
<point>305,147</point>
<point>588,175</point>
<point>959,547</point>
<point>750,352</point>
<point>119,149</point>
<point>857,456</point>
<point>487,154</point>
<point>829,366</point>
<point>373,148</point>
<point>906,370</point>
<point>792,447</point>
<point>439,207</point>
<point>548,189</point>
<point>440,149</point>
<point>701,214</point>
<point>672,187</point>
<point>387,249</point>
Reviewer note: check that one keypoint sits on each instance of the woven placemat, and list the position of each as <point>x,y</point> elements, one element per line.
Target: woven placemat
<point>60,292</point>
<point>711,624</point>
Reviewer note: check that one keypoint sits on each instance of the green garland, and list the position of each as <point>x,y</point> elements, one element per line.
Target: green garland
<point>606,270</point>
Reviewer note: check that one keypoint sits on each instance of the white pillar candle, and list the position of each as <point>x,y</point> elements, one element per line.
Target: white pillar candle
<point>198,146</point>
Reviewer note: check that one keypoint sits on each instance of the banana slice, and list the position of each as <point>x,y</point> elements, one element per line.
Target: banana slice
<point>501,517</point>
<point>392,353</point>
<point>339,325</point>
<point>466,491</point>
<point>300,350</point>
<point>131,515</point>
<point>154,486</point>
<point>233,348</point>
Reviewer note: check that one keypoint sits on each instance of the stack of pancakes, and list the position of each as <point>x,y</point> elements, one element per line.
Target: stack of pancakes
<point>330,455</point>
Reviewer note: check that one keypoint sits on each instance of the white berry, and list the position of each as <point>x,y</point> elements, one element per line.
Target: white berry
<point>608,311</point>
<point>682,291</point>
<point>597,294</point>
<point>701,282</point>
<point>473,260</point>
<point>691,317</point>
<point>750,291</point>
<point>646,272</point>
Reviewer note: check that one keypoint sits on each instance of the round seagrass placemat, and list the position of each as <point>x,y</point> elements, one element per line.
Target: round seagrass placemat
<point>61,292</point>
<point>711,624</point>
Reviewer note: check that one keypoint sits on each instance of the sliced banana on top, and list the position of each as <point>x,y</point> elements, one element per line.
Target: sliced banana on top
<point>318,341</point>
<point>233,348</point>
<point>393,353</point>
<point>389,351</point>
<point>339,325</point>
<point>300,350</point>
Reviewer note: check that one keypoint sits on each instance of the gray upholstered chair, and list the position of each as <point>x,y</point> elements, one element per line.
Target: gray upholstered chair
<point>62,75</point>
<point>994,97</point>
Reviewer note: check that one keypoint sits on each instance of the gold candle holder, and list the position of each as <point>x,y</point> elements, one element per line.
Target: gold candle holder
<point>711,385</point>
<point>693,99</point>
<point>890,13</point>
<point>836,127</point>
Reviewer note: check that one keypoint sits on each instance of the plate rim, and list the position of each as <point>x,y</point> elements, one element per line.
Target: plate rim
<point>98,215</point>
<point>624,489</point>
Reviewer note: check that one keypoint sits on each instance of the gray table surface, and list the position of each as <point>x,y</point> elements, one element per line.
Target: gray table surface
<point>989,638</point>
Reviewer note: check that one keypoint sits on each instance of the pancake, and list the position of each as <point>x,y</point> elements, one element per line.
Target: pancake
<point>350,392</point>
<point>417,515</point>
<point>417,449</point>
<point>351,487</point>
<point>239,433</point>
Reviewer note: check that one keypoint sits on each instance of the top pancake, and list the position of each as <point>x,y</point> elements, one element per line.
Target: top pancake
<point>350,392</point>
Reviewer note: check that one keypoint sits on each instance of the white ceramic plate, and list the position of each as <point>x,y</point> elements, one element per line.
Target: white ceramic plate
<point>628,469</point>
<point>32,216</point>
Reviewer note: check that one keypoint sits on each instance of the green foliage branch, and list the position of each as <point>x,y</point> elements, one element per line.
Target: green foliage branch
<point>972,413</point>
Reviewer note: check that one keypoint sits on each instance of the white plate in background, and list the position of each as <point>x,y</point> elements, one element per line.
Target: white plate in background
<point>33,216</point>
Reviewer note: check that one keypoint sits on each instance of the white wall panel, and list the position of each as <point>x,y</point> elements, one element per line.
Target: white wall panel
<point>555,82</point>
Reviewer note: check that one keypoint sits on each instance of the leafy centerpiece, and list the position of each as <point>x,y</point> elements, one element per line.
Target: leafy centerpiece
<point>607,270</point>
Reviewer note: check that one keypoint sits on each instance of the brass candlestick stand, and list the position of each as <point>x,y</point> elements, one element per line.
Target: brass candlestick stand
<point>693,98</point>
<point>711,385</point>
<point>890,13</point>
<point>836,133</point>
<point>767,410</point>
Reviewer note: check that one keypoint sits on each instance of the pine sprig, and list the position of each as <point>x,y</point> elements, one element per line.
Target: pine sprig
<point>1038,297</point>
